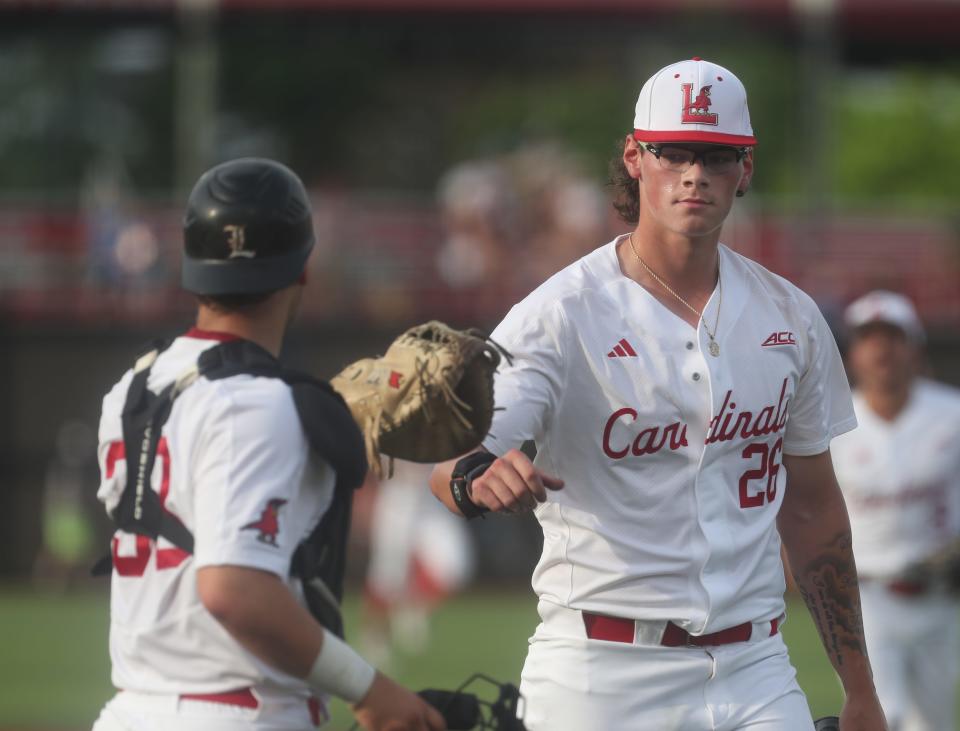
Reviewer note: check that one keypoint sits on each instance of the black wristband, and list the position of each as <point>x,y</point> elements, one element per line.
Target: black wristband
<point>464,473</point>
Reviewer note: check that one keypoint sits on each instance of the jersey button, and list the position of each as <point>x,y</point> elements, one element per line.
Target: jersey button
<point>689,345</point>
<point>696,376</point>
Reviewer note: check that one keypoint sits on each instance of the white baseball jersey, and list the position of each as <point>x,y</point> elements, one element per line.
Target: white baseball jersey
<point>671,456</point>
<point>234,466</point>
<point>901,479</point>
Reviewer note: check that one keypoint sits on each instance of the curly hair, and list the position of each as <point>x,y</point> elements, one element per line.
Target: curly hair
<point>626,188</point>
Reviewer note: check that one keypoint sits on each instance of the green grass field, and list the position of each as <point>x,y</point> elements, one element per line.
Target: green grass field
<point>55,671</point>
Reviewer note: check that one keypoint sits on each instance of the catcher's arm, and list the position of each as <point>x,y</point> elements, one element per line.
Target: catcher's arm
<point>815,529</point>
<point>509,484</point>
<point>262,615</point>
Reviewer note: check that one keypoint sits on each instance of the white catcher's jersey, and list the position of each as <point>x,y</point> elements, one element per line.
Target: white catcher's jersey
<point>234,466</point>
<point>901,479</point>
<point>671,456</point>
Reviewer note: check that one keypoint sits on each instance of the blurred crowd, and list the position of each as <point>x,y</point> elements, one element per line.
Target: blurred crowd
<point>497,227</point>
<point>512,221</point>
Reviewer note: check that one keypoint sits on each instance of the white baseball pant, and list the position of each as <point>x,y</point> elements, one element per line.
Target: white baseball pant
<point>571,683</point>
<point>914,649</point>
<point>130,711</point>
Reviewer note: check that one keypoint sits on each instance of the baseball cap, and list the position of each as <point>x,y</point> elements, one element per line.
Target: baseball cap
<point>693,101</point>
<point>887,307</point>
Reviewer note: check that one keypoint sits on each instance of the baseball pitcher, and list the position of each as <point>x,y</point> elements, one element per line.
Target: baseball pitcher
<point>682,399</point>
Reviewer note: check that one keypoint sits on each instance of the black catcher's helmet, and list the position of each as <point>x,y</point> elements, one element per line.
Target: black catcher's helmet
<point>248,229</point>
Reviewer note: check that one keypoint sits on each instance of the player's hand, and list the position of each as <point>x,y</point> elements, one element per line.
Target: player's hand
<point>391,707</point>
<point>512,484</point>
<point>862,712</point>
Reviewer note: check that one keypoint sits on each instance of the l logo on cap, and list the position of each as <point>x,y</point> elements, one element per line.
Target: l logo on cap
<point>695,111</point>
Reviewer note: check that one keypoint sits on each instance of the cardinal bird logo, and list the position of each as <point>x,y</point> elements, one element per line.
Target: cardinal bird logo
<point>268,524</point>
<point>697,111</point>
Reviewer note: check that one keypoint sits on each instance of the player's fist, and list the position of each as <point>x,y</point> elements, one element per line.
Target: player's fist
<point>391,707</point>
<point>512,484</point>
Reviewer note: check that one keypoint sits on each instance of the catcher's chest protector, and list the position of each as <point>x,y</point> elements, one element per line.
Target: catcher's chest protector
<point>319,560</point>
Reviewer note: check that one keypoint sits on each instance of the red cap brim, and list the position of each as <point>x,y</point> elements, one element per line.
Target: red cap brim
<point>715,138</point>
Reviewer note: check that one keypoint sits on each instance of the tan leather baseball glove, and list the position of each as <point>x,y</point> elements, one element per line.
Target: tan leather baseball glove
<point>429,398</point>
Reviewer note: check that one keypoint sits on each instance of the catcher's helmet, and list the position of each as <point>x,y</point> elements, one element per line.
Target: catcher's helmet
<point>248,229</point>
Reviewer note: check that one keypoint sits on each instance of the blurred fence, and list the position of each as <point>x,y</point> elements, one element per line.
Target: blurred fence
<point>383,262</point>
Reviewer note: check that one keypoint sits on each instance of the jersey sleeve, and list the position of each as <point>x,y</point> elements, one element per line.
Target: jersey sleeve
<point>113,468</point>
<point>247,475</point>
<point>822,406</point>
<point>526,390</point>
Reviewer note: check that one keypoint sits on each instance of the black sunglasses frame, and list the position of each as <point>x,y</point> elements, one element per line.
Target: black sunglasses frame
<point>657,150</point>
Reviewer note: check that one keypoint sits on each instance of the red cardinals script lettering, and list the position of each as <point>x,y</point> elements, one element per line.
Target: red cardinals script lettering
<point>727,424</point>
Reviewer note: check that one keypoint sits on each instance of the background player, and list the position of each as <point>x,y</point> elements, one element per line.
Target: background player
<point>900,473</point>
<point>674,385</point>
<point>419,555</point>
<point>221,639</point>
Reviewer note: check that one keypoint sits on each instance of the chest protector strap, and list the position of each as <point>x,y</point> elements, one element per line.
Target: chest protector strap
<point>320,560</point>
<point>144,413</point>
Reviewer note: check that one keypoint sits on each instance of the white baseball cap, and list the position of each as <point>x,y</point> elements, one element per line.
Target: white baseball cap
<point>888,307</point>
<point>693,101</point>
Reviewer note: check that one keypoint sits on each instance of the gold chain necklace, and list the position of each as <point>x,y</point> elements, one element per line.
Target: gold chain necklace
<point>714,346</point>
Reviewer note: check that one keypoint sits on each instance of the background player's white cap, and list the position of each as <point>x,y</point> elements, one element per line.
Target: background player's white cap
<point>888,307</point>
<point>693,101</point>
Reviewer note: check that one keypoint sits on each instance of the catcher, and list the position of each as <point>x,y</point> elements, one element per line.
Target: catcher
<point>900,473</point>
<point>230,480</point>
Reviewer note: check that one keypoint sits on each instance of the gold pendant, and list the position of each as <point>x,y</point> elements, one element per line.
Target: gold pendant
<point>714,348</point>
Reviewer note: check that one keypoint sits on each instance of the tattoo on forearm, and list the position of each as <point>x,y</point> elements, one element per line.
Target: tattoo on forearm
<point>829,587</point>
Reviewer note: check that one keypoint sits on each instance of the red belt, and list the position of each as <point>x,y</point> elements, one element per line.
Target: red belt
<point>903,587</point>
<point>620,629</point>
<point>908,588</point>
<point>244,698</point>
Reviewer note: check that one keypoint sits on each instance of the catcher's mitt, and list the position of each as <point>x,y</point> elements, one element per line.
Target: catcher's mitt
<point>429,398</point>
